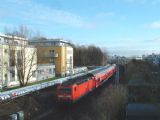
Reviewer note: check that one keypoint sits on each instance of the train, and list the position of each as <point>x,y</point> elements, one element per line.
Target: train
<point>73,89</point>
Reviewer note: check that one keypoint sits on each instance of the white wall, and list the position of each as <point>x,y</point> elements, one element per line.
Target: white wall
<point>45,71</point>
<point>69,59</point>
<point>28,54</point>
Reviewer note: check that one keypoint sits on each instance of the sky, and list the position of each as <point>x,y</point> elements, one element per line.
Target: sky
<point>123,27</point>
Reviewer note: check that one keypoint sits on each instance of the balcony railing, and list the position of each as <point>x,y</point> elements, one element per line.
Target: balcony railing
<point>50,55</point>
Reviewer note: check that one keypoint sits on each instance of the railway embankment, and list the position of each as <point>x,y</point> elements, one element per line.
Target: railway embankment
<point>107,102</point>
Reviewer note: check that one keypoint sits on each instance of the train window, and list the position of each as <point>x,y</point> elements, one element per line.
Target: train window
<point>65,90</point>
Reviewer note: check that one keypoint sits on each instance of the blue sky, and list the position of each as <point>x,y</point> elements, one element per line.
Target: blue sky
<point>123,27</point>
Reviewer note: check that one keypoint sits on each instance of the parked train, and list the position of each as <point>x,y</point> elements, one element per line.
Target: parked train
<point>75,88</point>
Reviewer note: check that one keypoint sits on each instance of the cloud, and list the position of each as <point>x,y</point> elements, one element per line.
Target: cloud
<point>103,15</point>
<point>132,52</point>
<point>47,15</point>
<point>2,14</point>
<point>155,2</point>
<point>131,46</point>
<point>134,1</point>
<point>19,1</point>
<point>152,2</point>
<point>155,25</point>
<point>36,13</point>
<point>3,25</point>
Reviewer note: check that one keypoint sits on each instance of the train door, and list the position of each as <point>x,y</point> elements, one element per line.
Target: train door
<point>75,92</point>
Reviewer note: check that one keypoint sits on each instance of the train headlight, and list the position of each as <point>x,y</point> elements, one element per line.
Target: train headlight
<point>68,96</point>
<point>60,96</point>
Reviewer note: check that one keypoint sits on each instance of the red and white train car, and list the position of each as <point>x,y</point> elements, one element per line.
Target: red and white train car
<point>74,89</point>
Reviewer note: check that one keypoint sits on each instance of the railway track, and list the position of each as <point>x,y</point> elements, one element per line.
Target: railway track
<point>61,111</point>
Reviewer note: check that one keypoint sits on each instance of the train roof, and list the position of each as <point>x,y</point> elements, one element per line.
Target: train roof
<point>100,70</point>
<point>78,80</point>
<point>81,79</point>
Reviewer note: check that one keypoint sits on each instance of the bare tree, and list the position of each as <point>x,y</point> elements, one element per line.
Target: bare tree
<point>23,58</point>
<point>89,55</point>
<point>20,31</point>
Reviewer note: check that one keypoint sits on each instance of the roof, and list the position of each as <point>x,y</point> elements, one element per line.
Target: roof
<point>50,40</point>
<point>46,41</point>
<point>139,111</point>
<point>101,70</point>
<point>11,37</point>
<point>81,79</point>
<point>78,80</point>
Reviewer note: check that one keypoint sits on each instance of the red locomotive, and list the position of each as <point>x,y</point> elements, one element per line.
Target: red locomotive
<point>75,88</point>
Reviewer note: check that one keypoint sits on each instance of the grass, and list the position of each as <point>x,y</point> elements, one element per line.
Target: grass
<point>29,84</point>
<point>42,81</point>
<point>110,104</point>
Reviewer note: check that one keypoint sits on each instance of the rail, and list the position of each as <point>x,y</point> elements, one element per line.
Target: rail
<point>12,94</point>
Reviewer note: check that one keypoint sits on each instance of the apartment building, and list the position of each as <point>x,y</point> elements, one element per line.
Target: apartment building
<point>55,51</point>
<point>16,56</point>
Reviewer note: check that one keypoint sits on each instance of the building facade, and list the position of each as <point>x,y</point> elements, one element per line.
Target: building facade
<point>55,51</point>
<point>45,71</point>
<point>16,57</point>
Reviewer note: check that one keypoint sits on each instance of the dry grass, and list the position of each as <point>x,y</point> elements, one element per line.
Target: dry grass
<point>110,105</point>
<point>105,104</point>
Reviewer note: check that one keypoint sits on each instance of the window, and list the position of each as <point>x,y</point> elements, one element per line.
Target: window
<point>69,51</point>
<point>57,43</point>
<point>5,51</point>
<point>39,71</point>
<point>12,57</point>
<point>50,71</point>
<point>51,53</point>
<point>47,44</point>
<point>5,41</point>
<point>12,62</point>
<point>53,43</point>
<point>43,72</point>
<point>18,53</point>
<point>5,63</point>
<point>33,73</point>
<point>51,60</point>
<point>12,73</point>
<point>15,42</point>
<point>65,90</point>
<point>68,61</point>
<point>5,76</point>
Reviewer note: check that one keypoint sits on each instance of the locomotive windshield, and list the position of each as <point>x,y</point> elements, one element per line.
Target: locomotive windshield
<point>65,90</point>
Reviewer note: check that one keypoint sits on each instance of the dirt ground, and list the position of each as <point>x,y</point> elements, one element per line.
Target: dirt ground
<point>44,106</point>
<point>32,105</point>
